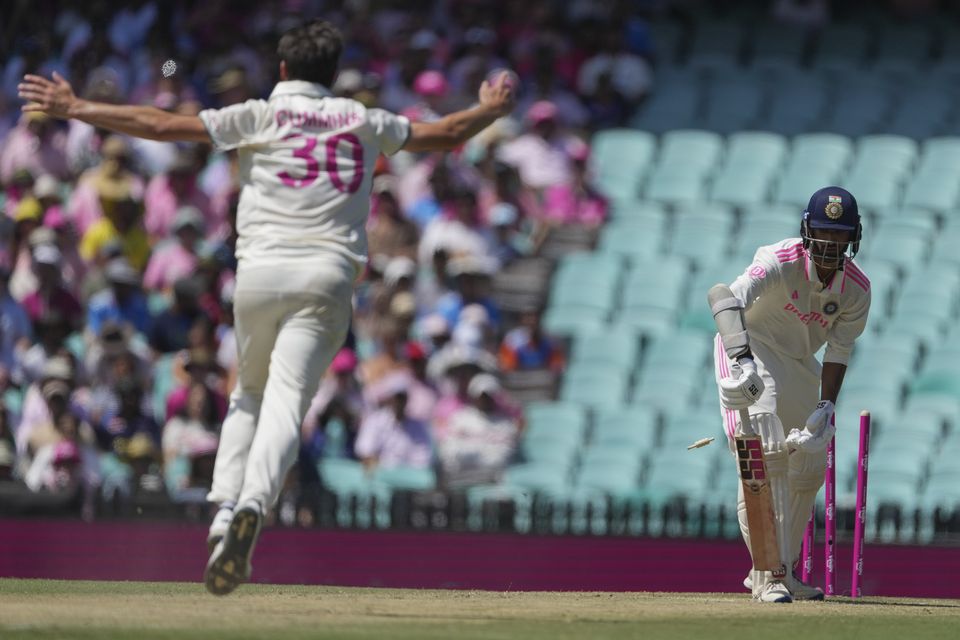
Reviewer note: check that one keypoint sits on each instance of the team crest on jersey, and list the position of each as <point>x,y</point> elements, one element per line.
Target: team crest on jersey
<point>834,208</point>
<point>830,308</point>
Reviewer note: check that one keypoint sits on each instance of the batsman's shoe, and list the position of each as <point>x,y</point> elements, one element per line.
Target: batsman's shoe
<point>229,564</point>
<point>802,591</point>
<point>748,581</point>
<point>218,528</point>
<point>774,591</point>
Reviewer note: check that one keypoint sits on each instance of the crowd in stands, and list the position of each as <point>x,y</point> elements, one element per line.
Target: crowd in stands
<point>116,255</point>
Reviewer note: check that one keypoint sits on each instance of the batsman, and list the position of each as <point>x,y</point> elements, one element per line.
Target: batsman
<point>777,400</point>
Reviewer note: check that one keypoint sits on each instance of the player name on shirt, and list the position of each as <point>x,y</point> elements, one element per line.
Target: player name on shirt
<point>317,120</point>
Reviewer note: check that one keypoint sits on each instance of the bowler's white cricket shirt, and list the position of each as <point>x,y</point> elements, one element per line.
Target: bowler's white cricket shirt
<point>306,163</point>
<point>792,312</point>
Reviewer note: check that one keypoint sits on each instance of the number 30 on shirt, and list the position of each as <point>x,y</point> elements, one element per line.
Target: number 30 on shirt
<point>305,152</point>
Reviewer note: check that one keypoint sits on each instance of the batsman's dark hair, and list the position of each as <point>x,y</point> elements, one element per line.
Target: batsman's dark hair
<point>312,52</point>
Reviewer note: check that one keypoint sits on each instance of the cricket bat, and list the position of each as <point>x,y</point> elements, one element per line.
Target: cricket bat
<point>759,504</point>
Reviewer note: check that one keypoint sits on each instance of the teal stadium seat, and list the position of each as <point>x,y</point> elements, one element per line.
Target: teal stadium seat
<point>616,348</point>
<point>619,159</point>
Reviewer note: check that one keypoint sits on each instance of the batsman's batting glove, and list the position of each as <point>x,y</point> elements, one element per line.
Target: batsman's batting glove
<point>743,391</point>
<point>817,433</point>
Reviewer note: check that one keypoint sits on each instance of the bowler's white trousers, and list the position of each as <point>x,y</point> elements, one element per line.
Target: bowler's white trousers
<point>290,320</point>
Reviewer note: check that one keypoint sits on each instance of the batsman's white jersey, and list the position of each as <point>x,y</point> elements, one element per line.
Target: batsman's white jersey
<point>790,315</point>
<point>306,162</point>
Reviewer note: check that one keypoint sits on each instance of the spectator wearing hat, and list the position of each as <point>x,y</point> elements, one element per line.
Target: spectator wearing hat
<point>431,88</point>
<point>175,260</point>
<point>169,191</point>
<point>15,332</point>
<point>200,367</point>
<point>50,332</point>
<point>471,276</point>
<point>540,155</point>
<point>112,345</point>
<point>575,202</point>
<point>388,232</point>
<point>101,188</point>
<point>24,278</point>
<point>454,367</point>
<point>37,144</point>
<point>123,222</point>
<point>44,403</point>
<point>73,268</point>
<point>339,398</point>
<point>526,347</point>
<point>459,231</point>
<point>480,439</point>
<point>507,241</point>
<point>389,437</point>
<point>122,301</point>
<point>170,328</point>
<point>435,329</point>
<point>50,294</point>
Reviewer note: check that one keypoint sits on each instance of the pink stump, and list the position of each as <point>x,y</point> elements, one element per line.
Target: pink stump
<point>830,523</point>
<point>861,513</point>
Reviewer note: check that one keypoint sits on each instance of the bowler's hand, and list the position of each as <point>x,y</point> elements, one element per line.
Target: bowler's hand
<point>499,97</point>
<point>52,97</point>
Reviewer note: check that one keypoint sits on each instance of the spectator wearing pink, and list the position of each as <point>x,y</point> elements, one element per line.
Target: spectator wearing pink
<point>65,238</point>
<point>202,368</point>
<point>540,155</point>
<point>455,365</point>
<point>577,201</point>
<point>37,144</point>
<point>389,437</point>
<point>98,188</point>
<point>481,439</point>
<point>338,397</point>
<point>177,259</point>
<point>50,294</point>
<point>169,191</point>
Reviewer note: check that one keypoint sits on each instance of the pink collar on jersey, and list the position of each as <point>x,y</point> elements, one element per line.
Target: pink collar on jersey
<point>300,88</point>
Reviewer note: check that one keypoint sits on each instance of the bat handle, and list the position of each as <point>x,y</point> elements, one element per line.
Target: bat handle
<point>745,422</point>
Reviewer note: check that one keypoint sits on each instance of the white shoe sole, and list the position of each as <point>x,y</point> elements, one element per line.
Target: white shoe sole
<point>229,564</point>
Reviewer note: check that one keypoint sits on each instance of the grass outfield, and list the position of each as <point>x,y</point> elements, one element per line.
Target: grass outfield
<point>38,609</point>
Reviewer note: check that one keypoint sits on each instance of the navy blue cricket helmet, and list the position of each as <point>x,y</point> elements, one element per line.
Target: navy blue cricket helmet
<point>831,208</point>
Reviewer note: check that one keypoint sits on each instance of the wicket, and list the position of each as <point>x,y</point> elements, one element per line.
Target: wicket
<point>830,523</point>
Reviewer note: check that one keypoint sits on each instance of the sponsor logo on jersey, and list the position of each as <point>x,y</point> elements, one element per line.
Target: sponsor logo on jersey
<point>795,295</point>
<point>756,271</point>
<point>830,308</point>
<point>807,318</point>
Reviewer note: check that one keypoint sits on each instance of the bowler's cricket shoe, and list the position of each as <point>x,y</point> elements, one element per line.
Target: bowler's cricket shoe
<point>774,591</point>
<point>229,564</point>
<point>218,528</point>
